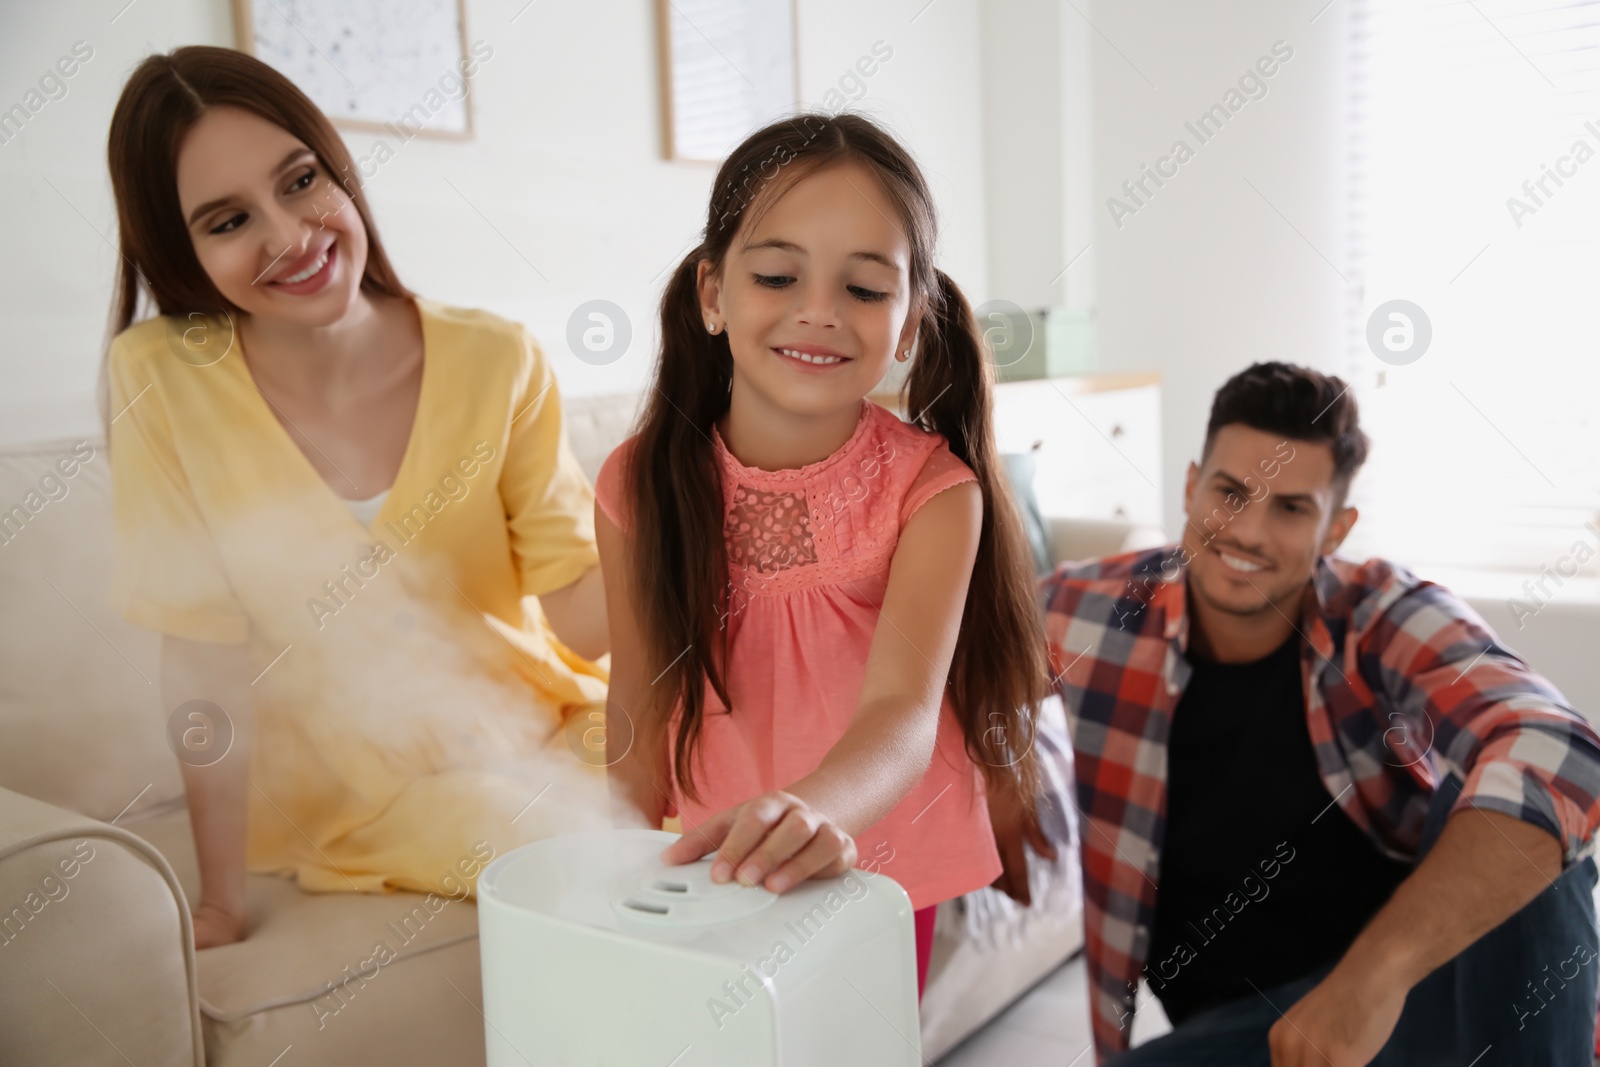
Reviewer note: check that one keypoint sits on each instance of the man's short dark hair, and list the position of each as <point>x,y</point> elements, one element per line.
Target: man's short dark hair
<point>1299,403</point>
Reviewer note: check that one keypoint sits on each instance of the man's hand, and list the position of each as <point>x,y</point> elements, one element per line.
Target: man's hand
<point>1484,867</point>
<point>1015,822</point>
<point>1343,1022</point>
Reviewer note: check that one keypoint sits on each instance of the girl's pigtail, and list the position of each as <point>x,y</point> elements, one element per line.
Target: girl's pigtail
<point>680,570</point>
<point>1000,671</point>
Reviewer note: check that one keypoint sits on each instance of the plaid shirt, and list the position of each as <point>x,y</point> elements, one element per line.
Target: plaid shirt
<point>1405,684</point>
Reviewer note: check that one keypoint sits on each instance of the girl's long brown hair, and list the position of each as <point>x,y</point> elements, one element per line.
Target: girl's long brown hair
<point>163,99</point>
<point>999,672</point>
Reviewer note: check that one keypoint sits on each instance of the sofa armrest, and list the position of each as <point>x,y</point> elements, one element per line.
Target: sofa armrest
<point>1083,539</point>
<point>96,945</point>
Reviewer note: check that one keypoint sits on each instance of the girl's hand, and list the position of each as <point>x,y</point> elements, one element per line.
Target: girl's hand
<point>776,840</point>
<point>214,925</point>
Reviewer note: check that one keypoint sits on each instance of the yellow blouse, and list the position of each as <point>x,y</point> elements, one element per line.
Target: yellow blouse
<point>411,706</point>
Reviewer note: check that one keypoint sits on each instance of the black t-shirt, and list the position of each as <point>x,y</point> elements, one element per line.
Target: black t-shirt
<point>1262,878</point>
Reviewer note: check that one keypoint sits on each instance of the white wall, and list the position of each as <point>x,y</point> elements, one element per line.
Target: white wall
<point>566,166</point>
<point>1211,275</point>
<point>1037,114</point>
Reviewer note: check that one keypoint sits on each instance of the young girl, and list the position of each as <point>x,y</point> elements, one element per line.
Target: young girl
<point>330,498</point>
<point>823,627</point>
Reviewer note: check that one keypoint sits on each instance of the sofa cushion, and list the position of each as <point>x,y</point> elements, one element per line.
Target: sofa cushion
<point>343,977</point>
<point>304,948</point>
<point>596,424</point>
<point>428,1013</point>
<point>1020,468</point>
<point>79,683</point>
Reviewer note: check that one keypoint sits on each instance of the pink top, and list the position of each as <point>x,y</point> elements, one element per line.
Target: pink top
<point>808,560</point>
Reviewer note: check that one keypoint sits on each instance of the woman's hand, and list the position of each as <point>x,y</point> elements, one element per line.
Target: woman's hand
<point>215,925</point>
<point>1015,822</point>
<point>776,840</point>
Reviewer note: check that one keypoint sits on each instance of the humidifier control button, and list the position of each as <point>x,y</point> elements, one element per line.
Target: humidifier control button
<point>686,896</point>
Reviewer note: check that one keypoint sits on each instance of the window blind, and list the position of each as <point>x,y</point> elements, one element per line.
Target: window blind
<point>1474,194</point>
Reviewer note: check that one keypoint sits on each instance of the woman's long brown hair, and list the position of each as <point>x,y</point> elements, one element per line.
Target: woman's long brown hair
<point>163,99</point>
<point>999,672</point>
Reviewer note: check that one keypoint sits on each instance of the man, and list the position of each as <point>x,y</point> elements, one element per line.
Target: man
<point>1327,817</point>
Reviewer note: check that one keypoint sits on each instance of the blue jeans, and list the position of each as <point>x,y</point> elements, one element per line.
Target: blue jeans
<point>1481,1004</point>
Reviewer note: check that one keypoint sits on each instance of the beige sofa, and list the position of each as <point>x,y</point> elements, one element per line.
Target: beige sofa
<point>97,866</point>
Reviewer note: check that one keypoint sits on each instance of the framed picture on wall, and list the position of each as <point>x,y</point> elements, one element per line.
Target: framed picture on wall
<point>371,64</point>
<point>727,67</point>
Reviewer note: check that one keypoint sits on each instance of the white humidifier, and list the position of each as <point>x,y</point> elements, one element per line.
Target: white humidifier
<point>596,954</point>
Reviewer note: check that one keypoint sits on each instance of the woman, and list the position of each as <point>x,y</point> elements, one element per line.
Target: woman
<point>331,496</point>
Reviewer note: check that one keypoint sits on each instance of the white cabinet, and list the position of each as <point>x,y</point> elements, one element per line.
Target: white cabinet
<point>1097,440</point>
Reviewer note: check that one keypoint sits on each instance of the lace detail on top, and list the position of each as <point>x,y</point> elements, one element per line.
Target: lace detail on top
<point>768,531</point>
<point>831,521</point>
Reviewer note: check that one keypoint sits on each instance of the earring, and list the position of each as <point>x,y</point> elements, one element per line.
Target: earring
<point>711,326</point>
